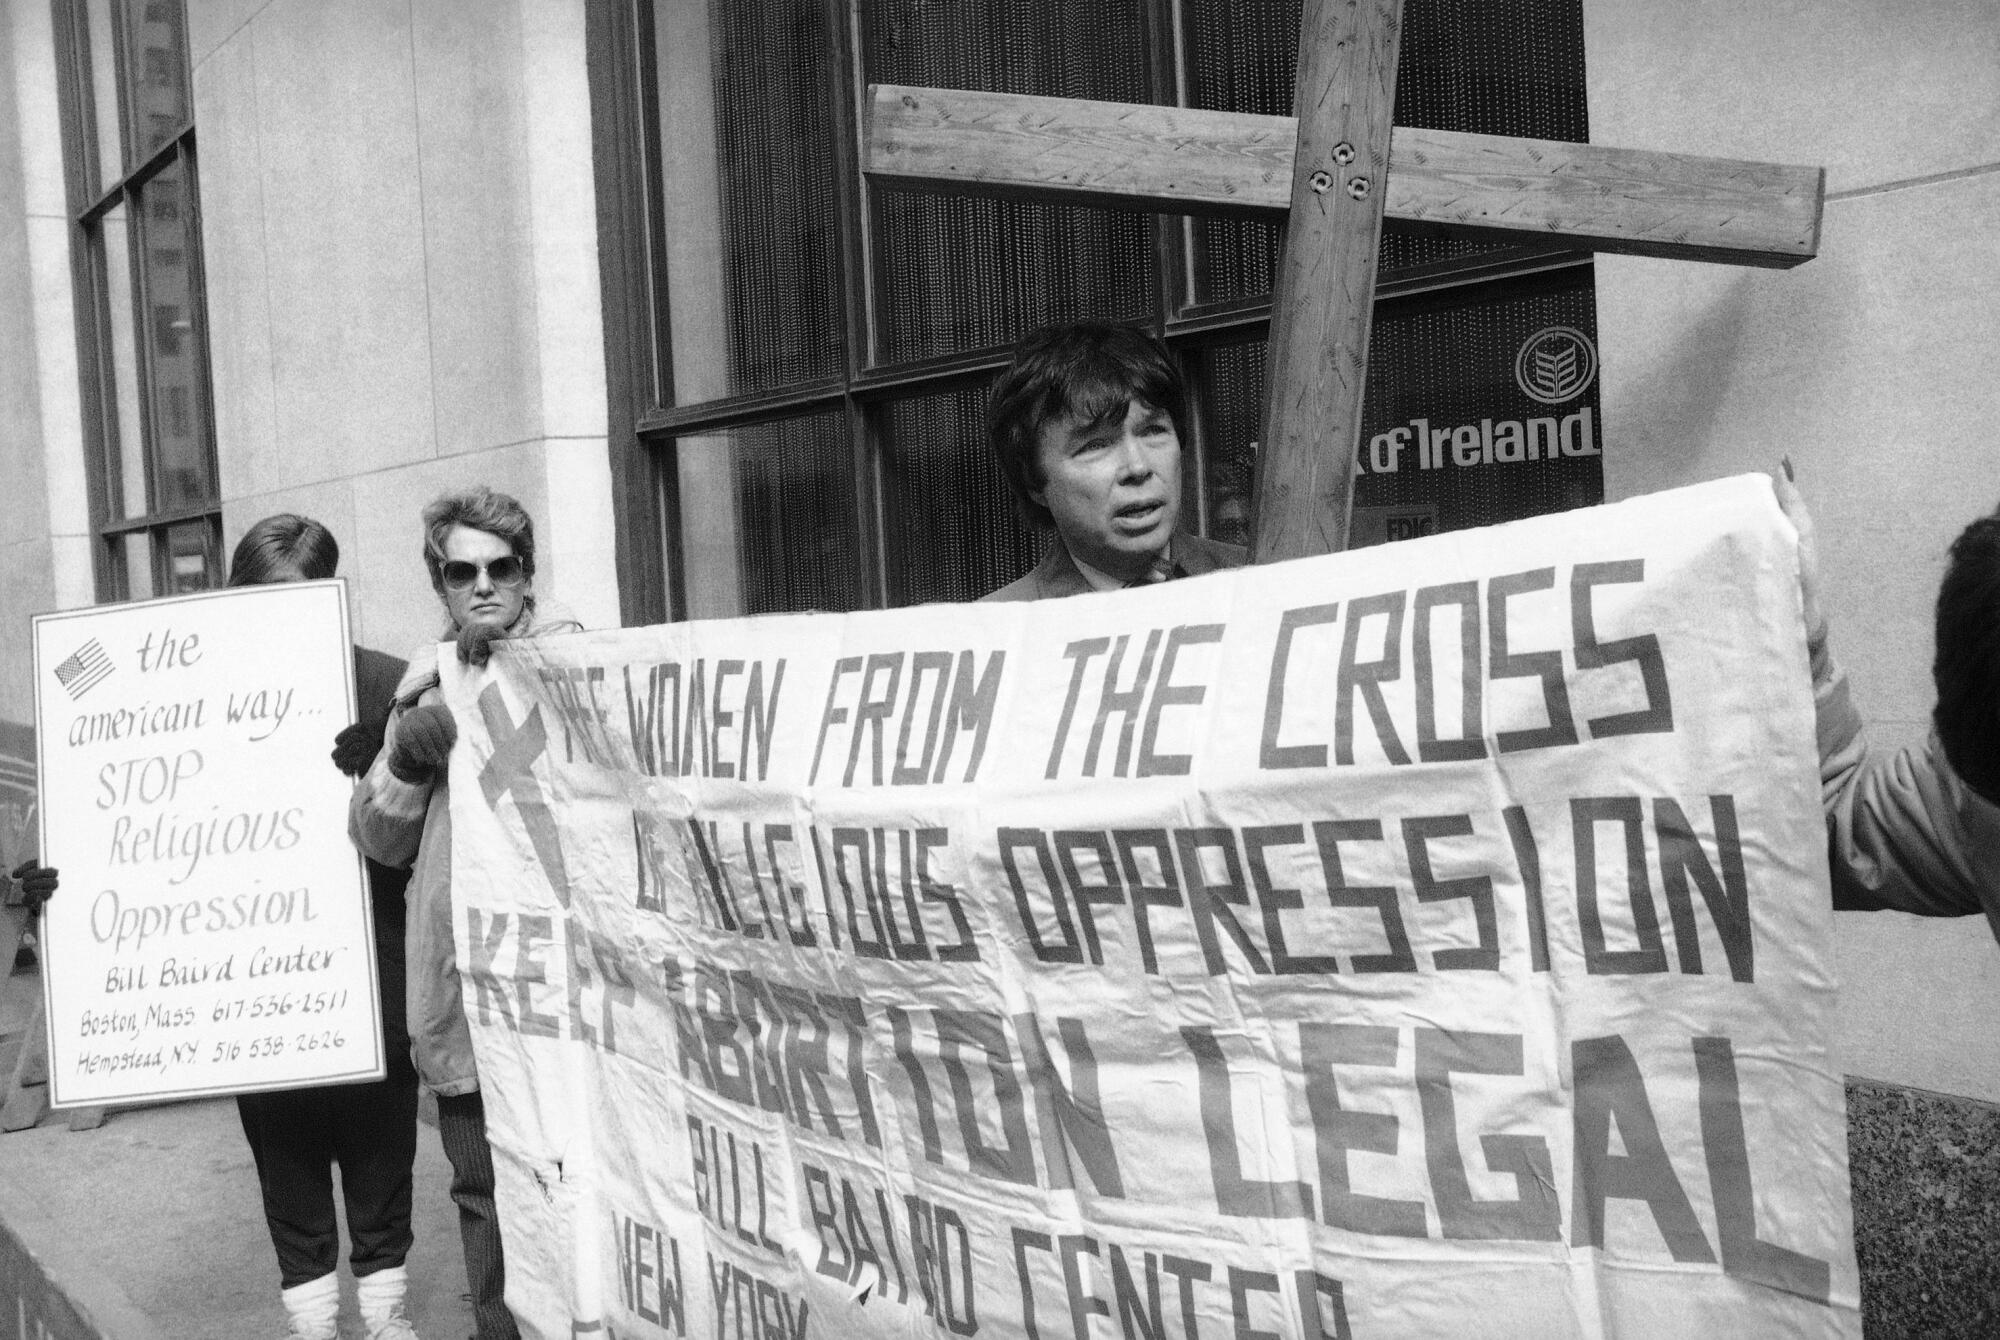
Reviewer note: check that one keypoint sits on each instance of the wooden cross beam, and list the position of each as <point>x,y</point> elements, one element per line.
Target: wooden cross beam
<point>1180,160</point>
<point>1323,305</point>
<point>1333,175</point>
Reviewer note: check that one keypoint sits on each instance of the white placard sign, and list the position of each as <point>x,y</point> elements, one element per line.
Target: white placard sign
<point>212,933</point>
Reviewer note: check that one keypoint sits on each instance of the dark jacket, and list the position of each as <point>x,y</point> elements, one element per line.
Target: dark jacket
<point>376,674</point>
<point>409,824</point>
<point>1057,574</point>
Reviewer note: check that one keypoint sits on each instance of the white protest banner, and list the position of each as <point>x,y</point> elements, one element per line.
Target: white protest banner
<point>212,933</point>
<point>1425,940</point>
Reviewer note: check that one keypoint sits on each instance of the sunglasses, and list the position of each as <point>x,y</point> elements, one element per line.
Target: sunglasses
<point>504,571</point>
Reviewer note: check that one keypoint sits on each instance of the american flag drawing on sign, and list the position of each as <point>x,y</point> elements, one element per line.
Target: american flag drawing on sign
<point>83,668</point>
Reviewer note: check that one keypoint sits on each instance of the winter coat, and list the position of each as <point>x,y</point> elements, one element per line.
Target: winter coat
<point>1904,830</point>
<point>408,824</point>
<point>1057,574</point>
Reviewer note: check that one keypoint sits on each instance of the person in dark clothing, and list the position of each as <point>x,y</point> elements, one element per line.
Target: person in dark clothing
<point>1086,426</point>
<point>297,1136</point>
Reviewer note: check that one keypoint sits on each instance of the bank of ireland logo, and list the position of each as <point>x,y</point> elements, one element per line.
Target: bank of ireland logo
<point>1556,363</point>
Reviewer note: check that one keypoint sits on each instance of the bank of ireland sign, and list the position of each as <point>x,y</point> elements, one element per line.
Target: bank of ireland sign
<point>1489,421</point>
<point>1555,364</point>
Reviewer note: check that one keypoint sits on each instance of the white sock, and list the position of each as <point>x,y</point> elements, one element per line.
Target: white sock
<point>314,1308</point>
<point>381,1294</point>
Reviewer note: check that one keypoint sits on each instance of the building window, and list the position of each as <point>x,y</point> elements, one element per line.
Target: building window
<point>128,137</point>
<point>802,359</point>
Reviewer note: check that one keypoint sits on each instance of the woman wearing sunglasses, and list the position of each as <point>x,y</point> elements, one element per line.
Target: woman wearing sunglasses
<point>479,546</point>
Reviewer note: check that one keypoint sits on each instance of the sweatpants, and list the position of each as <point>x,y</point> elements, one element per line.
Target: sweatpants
<point>370,1130</point>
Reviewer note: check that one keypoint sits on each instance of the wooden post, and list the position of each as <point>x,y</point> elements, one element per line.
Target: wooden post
<point>1317,371</point>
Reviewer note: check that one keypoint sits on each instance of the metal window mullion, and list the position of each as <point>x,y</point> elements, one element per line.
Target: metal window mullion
<point>865,437</point>
<point>155,163</point>
<point>159,520</point>
<point>632,290</point>
<point>1233,317</point>
<point>851,214</point>
<point>840,18</point>
<point>76,112</point>
<point>98,386</point>
<point>931,377</point>
<point>211,547</point>
<point>714,416</point>
<point>142,352</point>
<point>867,198</point>
<point>1244,314</point>
<point>1236,318</point>
<point>121,66</point>
<point>114,582</point>
<point>1167,84</point>
<point>104,372</point>
<point>156,555</point>
<point>1182,287</point>
<point>642,148</point>
<point>197,271</point>
<point>1194,436</point>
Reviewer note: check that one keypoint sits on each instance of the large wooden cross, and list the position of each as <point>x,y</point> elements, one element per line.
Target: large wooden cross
<point>1331,174</point>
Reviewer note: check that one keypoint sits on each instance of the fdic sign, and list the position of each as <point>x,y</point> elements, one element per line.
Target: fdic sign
<point>1383,525</point>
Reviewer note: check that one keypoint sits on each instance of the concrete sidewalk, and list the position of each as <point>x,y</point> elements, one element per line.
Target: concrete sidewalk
<point>151,1228</point>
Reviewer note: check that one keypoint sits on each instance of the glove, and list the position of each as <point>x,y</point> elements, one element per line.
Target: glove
<point>475,642</point>
<point>37,882</point>
<point>424,737</point>
<point>355,748</point>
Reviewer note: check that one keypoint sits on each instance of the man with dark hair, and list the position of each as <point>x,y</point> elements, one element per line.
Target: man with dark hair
<point>1916,830</point>
<point>1086,425</point>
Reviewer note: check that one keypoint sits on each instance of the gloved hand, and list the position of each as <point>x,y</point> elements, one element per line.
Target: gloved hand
<point>37,883</point>
<point>355,748</point>
<point>475,642</point>
<point>424,737</point>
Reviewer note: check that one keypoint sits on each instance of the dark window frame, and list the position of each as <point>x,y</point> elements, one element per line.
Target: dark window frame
<point>95,190</point>
<point>646,424</point>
